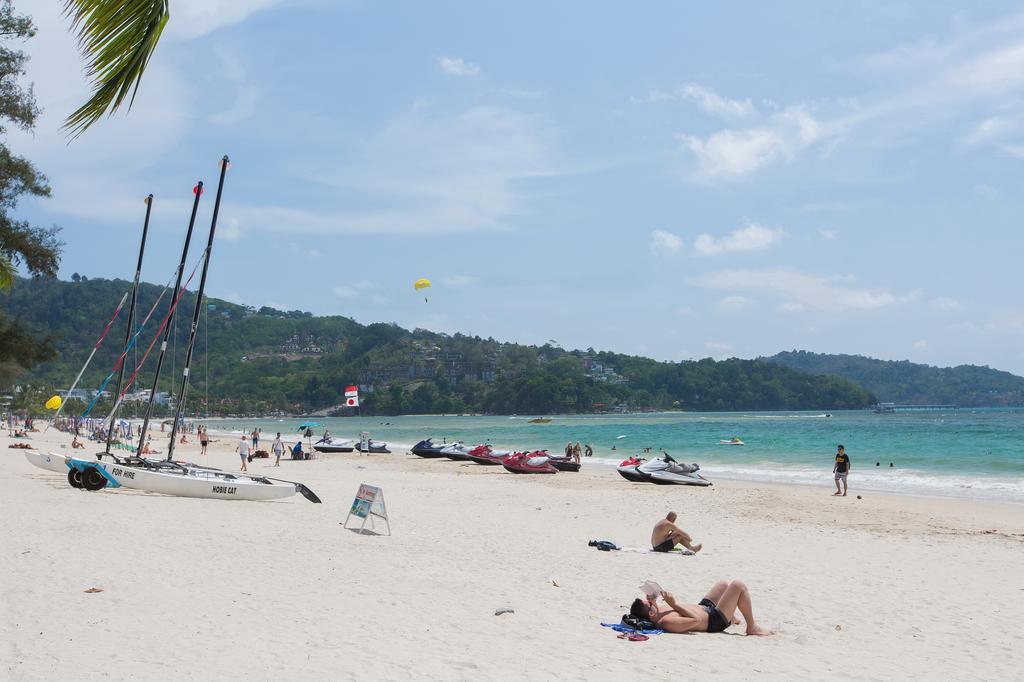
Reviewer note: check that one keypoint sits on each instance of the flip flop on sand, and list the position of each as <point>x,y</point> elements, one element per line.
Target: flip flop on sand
<point>633,637</point>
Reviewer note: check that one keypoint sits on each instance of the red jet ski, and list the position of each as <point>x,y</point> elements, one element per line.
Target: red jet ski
<point>484,454</point>
<point>627,469</point>
<point>535,462</point>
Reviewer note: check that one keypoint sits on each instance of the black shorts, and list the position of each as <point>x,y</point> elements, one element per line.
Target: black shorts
<point>717,622</point>
<point>666,546</point>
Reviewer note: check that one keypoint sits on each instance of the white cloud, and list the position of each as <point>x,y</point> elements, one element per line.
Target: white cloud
<point>459,280</point>
<point>707,99</point>
<point>921,344</point>
<point>731,154</point>
<point>813,291</point>
<point>665,242</point>
<point>946,304</point>
<point>457,66</point>
<point>429,172</point>
<point>828,234</point>
<point>344,291</point>
<point>194,18</point>
<point>686,311</point>
<point>752,237</point>
<point>791,307</point>
<point>734,304</point>
<point>241,92</point>
<point>718,349</point>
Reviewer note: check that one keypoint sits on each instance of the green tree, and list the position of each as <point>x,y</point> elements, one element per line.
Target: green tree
<point>21,244</point>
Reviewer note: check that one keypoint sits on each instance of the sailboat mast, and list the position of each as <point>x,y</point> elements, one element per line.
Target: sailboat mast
<point>183,389</point>
<point>131,317</point>
<point>167,329</point>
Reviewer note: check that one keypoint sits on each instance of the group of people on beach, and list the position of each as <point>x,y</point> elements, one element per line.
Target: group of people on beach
<point>716,612</point>
<point>574,452</point>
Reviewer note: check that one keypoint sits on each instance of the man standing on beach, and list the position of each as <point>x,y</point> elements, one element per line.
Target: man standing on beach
<point>667,535</point>
<point>841,470</point>
<point>243,451</point>
<point>278,449</point>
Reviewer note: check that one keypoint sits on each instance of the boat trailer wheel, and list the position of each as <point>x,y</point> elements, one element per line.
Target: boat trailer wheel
<point>93,480</point>
<point>75,478</point>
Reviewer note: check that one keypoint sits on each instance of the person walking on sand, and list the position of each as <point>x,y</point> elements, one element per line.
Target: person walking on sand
<point>278,449</point>
<point>666,535</point>
<point>714,613</point>
<point>841,470</point>
<point>243,451</point>
<point>204,439</point>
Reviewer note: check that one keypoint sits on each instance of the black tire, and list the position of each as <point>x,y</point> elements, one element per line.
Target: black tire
<point>93,480</point>
<point>75,478</point>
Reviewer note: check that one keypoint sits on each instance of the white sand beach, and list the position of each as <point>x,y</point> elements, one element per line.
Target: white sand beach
<point>884,587</point>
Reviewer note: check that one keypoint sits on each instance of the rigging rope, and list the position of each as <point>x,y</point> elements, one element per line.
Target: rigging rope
<point>95,347</point>
<point>159,332</point>
<point>131,343</point>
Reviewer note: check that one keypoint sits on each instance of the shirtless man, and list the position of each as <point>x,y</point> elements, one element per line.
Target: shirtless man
<point>666,535</point>
<point>715,612</point>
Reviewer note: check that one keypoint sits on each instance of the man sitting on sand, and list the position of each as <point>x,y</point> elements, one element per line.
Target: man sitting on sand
<point>714,613</point>
<point>666,535</point>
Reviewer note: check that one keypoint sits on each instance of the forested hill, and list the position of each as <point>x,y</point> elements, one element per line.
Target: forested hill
<point>265,360</point>
<point>909,383</point>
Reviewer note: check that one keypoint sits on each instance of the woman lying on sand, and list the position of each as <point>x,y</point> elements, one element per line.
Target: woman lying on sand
<point>714,613</point>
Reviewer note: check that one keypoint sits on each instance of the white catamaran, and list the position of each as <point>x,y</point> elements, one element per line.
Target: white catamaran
<point>167,476</point>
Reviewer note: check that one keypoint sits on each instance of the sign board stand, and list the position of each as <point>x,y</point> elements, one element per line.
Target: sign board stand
<point>369,502</point>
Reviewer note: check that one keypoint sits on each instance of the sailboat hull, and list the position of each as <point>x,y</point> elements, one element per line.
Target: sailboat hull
<point>50,461</point>
<point>201,483</point>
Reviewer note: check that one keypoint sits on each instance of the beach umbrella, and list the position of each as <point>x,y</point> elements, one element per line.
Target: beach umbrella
<point>53,403</point>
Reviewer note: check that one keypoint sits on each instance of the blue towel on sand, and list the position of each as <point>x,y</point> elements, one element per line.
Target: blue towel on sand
<point>619,627</point>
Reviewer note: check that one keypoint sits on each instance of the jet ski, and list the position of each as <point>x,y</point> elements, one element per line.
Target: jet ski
<point>535,462</point>
<point>426,448</point>
<point>456,451</point>
<point>731,441</point>
<point>563,463</point>
<point>627,469</point>
<point>333,445</point>
<point>667,471</point>
<point>373,446</point>
<point>484,454</point>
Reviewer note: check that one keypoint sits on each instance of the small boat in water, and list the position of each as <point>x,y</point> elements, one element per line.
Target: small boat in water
<point>731,441</point>
<point>535,462</point>
<point>539,420</point>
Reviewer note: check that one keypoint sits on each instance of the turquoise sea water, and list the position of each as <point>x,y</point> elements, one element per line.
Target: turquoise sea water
<point>960,453</point>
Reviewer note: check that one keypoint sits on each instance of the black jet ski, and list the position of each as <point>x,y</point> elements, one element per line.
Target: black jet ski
<point>426,448</point>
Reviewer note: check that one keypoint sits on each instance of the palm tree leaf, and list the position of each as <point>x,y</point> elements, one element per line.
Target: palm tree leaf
<point>7,272</point>
<point>117,38</point>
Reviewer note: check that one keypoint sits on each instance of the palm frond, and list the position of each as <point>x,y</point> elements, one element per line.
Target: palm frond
<point>117,38</point>
<point>7,272</point>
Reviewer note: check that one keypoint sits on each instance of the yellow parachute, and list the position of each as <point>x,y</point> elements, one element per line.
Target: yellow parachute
<point>422,283</point>
<point>53,403</point>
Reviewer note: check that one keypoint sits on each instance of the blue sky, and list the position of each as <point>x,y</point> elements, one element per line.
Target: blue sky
<point>677,180</point>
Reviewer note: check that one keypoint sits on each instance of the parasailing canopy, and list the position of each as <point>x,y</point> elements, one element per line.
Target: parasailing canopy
<point>53,403</point>
<point>421,283</point>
